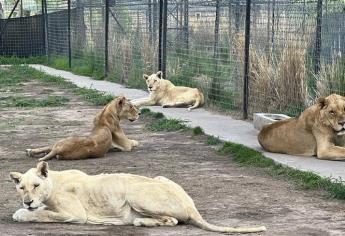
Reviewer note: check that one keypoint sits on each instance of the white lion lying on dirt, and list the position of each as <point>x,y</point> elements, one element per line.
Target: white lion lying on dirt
<point>116,199</point>
<point>166,94</point>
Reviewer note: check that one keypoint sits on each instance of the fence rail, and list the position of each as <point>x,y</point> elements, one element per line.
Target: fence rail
<point>246,56</point>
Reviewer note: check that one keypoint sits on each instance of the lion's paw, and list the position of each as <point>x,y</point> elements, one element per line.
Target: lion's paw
<point>135,143</point>
<point>28,152</point>
<point>21,215</point>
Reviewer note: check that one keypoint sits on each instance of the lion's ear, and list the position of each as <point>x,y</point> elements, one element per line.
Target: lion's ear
<point>145,76</point>
<point>42,169</point>
<point>322,101</point>
<point>15,176</point>
<point>159,74</point>
<point>121,101</point>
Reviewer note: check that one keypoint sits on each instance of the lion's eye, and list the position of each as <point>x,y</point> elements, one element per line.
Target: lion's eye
<point>331,112</point>
<point>22,187</point>
<point>36,185</point>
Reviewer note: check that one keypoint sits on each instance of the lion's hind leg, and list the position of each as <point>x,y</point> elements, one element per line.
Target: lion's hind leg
<point>151,222</point>
<point>36,151</point>
<point>49,156</point>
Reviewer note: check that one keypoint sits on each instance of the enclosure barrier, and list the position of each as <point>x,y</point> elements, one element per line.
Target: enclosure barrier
<point>246,56</point>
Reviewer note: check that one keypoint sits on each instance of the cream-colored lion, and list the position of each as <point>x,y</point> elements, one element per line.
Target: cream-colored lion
<point>318,131</point>
<point>166,94</point>
<point>105,134</point>
<point>117,199</point>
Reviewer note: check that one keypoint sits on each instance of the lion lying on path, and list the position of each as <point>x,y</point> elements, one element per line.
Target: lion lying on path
<point>106,133</point>
<point>116,199</point>
<point>317,131</point>
<point>166,94</point>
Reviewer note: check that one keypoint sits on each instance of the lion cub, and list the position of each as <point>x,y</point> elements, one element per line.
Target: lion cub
<point>105,134</point>
<point>166,94</point>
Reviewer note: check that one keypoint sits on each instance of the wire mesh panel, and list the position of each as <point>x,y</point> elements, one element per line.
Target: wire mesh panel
<point>296,47</point>
<point>201,48</point>
<point>331,77</point>
<point>87,36</point>
<point>21,36</point>
<point>281,55</point>
<point>57,30</point>
<point>133,40</point>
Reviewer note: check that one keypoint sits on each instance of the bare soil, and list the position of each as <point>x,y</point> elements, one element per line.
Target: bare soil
<point>224,193</point>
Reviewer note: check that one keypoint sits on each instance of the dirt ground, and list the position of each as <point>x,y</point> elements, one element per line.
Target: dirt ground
<point>224,193</point>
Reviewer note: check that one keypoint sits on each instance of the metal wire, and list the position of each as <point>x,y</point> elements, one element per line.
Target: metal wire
<point>296,47</point>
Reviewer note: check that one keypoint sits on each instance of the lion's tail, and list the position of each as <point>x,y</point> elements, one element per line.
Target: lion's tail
<point>197,220</point>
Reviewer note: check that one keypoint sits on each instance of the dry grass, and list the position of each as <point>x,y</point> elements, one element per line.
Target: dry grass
<point>278,83</point>
<point>331,78</point>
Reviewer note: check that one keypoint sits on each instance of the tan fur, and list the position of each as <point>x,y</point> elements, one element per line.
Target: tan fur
<point>166,94</point>
<point>105,134</point>
<point>117,199</point>
<point>318,131</point>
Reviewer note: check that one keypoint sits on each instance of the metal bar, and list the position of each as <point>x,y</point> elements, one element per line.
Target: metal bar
<point>246,61</point>
<point>43,27</point>
<point>106,36</point>
<point>216,31</point>
<point>215,86</point>
<point>160,34</point>
<point>46,29</point>
<point>117,21</point>
<point>237,16</point>
<point>8,18</point>
<point>317,53</point>
<point>164,37</point>
<point>149,12</point>
<point>186,25</point>
<point>69,33</point>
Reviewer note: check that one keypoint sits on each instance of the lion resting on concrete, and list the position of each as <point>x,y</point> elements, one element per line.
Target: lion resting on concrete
<point>116,199</point>
<point>317,131</point>
<point>166,94</point>
<point>105,134</point>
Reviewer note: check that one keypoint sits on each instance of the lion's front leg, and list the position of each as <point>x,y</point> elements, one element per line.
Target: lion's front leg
<point>120,141</point>
<point>41,215</point>
<point>143,102</point>
<point>327,150</point>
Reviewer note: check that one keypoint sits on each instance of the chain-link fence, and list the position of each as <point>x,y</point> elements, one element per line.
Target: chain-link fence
<point>295,47</point>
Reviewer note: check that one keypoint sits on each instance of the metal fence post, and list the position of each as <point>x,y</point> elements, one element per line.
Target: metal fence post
<point>317,53</point>
<point>246,61</point>
<point>160,33</point>
<point>43,27</point>
<point>106,35</point>
<point>46,29</point>
<point>215,86</point>
<point>69,34</point>
<point>186,24</point>
<point>164,36</point>
<point>149,13</point>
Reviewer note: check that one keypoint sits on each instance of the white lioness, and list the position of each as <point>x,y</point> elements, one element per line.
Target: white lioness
<point>105,134</point>
<point>116,199</point>
<point>166,94</point>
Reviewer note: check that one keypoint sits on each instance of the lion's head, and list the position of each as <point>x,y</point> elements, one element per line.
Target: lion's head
<point>126,110</point>
<point>34,186</point>
<point>153,81</point>
<point>332,112</point>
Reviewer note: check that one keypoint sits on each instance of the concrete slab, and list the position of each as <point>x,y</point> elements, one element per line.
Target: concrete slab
<point>221,126</point>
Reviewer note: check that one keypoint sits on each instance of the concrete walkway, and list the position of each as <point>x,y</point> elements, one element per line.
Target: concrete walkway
<point>221,126</point>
